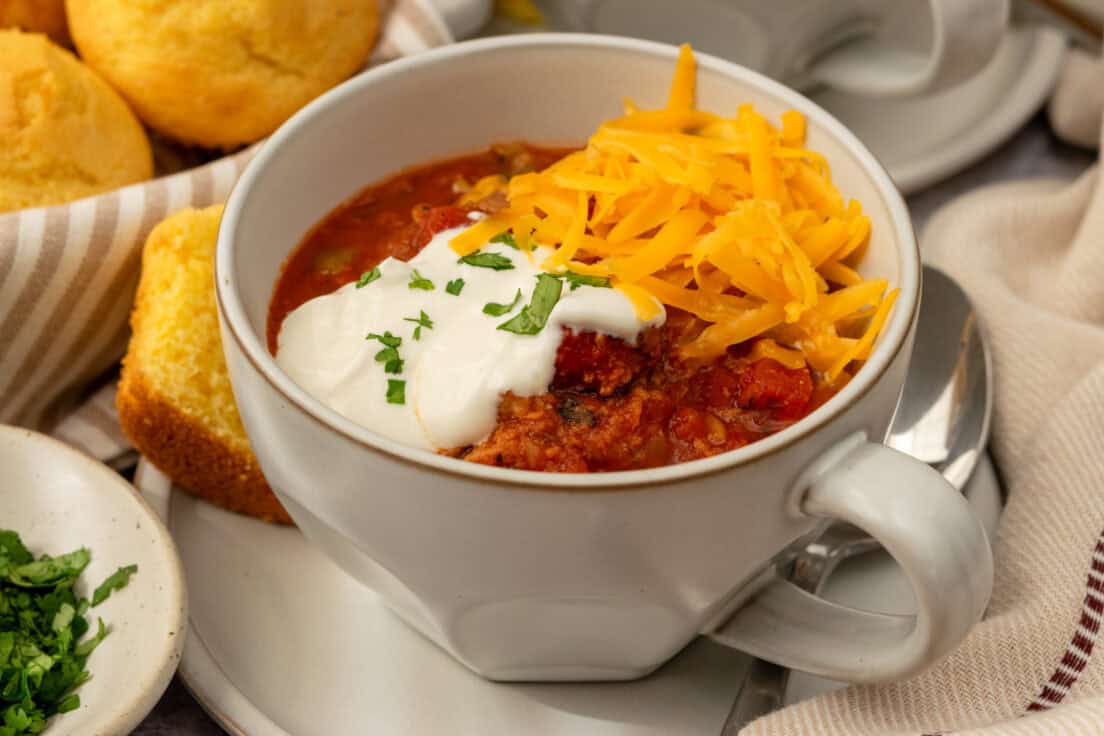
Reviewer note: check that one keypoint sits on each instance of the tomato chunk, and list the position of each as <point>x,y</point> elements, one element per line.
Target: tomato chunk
<point>438,219</point>
<point>722,388</point>
<point>588,361</point>
<point>767,384</point>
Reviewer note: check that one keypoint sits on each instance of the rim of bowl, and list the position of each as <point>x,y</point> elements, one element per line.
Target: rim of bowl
<point>254,349</point>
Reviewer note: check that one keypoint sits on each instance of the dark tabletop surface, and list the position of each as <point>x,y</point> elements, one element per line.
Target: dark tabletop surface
<point>1033,152</point>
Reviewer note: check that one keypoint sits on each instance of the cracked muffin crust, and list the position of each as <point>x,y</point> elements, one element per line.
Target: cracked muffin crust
<point>222,73</point>
<point>64,133</point>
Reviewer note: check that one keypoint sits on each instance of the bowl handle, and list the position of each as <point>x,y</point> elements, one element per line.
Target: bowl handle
<point>929,529</point>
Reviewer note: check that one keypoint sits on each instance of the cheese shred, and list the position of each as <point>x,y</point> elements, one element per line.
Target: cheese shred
<point>731,219</point>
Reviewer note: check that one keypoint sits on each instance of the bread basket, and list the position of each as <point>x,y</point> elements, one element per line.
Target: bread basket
<point>68,272</point>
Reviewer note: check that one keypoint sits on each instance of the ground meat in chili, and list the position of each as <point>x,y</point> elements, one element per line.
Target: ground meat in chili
<point>611,405</point>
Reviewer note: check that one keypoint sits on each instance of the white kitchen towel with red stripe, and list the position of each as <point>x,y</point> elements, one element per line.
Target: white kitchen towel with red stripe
<point>68,273</point>
<point>1031,256</point>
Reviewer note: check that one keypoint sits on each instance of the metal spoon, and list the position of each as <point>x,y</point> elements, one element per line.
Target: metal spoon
<point>942,419</point>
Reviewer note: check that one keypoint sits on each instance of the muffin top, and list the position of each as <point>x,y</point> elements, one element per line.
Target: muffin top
<point>64,133</point>
<point>221,73</point>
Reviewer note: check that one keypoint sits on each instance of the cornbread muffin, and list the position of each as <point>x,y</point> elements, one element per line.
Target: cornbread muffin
<point>64,134</point>
<point>220,73</point>
<point>38,16</point>
<point>174,397</point>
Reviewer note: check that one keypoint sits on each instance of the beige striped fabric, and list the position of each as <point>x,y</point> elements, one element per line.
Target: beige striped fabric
<point>68,273</point>
<point>1031,255</point>
<point>94,428</point>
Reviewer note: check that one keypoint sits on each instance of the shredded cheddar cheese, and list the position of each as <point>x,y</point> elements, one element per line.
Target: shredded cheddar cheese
<point>731,219</point>
<point>521,11</point>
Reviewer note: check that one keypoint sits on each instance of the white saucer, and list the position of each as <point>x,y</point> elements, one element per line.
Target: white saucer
<point>922,140</point>
<point>282,642</point>
<point>58,499</point>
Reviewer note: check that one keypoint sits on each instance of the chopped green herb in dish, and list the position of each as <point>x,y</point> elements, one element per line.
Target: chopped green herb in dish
<point>455,286</point>
<point>497,310</point>
<point>506,238</point>
<point>368,277</point>
<point>494,261</point>
<point>396,391</point>
<point>534,315</point>
<point>43,647</point>
<point>116,581</point>
<point>391,341</point>
<point>389,355</point>
<point>578,279</point>
<point>417,281</point>
<point>422,320</point>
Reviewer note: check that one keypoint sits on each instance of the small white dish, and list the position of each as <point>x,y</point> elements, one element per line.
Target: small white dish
<point>58,500</point>
<point>273,624</point>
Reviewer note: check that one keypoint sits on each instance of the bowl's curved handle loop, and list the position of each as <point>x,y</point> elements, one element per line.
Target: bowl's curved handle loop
<point>965,36</point>
<point>929,529</point>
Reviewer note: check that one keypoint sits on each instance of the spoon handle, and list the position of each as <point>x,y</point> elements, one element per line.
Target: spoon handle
<point>762,691</point>
<point>764,686</point>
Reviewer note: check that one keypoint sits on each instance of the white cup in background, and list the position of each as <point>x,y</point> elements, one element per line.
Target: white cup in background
<point>871,47</point>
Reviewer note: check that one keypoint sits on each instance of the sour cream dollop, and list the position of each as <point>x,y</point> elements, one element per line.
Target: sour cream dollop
<point>454,373</point>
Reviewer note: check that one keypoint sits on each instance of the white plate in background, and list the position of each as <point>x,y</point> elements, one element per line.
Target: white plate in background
<point>923,140</point>
<point>282,642</point>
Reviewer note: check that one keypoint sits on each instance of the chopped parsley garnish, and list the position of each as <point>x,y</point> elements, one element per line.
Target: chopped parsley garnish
<point>43,649</point>
<point>116,581</point>
<point>579,279</point>
<point>368,277</point>
<point>396,391</point>
<point>506,238</point>
<point>422,320</point>
<point>386,338</point>
<point>389,356</point>
<point>495,261</point>
<point>534,315</point>
<point>455,286</point>
<point>417,281</point>
<point>497,310</point>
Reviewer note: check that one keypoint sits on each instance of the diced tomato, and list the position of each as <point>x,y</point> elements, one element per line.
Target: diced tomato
<point>688,424</point>
<point>657,409</point>
<point>722,388</point>
<point>766,384</point>
<point>587,361</point>
<point>437,219</point>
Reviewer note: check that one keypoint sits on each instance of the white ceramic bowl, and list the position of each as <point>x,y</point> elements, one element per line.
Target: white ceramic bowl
<point>58,499</point>
<point>526,575</point>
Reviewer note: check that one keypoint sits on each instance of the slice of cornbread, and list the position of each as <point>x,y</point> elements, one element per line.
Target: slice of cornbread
<point>174,398</point>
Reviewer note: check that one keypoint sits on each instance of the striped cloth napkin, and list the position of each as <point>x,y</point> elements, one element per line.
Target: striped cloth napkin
<point>68,273</point>
<point>1031,256</point>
